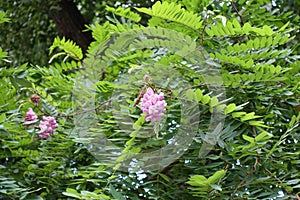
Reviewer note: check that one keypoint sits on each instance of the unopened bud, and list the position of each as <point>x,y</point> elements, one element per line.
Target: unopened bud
<point>147,78</point>
<point>35,98</point>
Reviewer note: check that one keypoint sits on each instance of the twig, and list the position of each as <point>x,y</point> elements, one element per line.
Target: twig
<point>166,89</point>
<point>274,176</point>
<point>36,106</point>
<point>256,162</point>
<point>241,184</point>
<point>204,27</point>
<point>280,181</point>
<point>236,10</point>
<point>254,131</point>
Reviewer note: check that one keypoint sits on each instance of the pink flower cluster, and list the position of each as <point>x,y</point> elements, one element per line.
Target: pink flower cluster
<point>47,125</point>
<point>30,117</point>
<point>153,105</point>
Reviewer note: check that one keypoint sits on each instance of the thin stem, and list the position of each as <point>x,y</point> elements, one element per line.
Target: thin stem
<point>239,14</point>
<point>36,106</point>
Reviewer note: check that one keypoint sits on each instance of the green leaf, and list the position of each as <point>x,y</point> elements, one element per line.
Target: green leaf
<point>72,193</point>
<point>236,24</point>
<point>258,124</point>
<point>198,94</point>
<point>2,117</point>
<point>216,177</point>
<point>249,116</point>
<point>197,180</point>
<point>165,177</point>
<point>214,101</point>
<point>247,27</point>
<point>230,108</point>
<point>256,43</point>
<point>216,187</point>
<point>87,194</point>
<point>205,99</point>
<point>173,12</point>
<point>263,136</point>
<point>190,94</point>
<point>3,54</point>
<point>68,46</point>
<point>209,32</point>
<point>3,18</point>
<point>125,12</point>
<point>115,193</point>
<point>268,30</point>
<point>238,114</point>
<point>248,138</point>
<point>138,124</point>
<point>283,27</point>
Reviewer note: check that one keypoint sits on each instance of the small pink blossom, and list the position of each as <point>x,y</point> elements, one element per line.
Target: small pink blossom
<point>153,105</point>
<point>30,117</point>
<point>47,126</point>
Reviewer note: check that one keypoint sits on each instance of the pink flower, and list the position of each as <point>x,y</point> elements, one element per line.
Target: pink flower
<point>153,105</point>
<point>30,117</point>
<point>47,126</point>
<point>44,135</point>
<point>156,111</point>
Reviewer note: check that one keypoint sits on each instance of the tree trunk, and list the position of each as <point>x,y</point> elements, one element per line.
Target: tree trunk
<point>70,23</point>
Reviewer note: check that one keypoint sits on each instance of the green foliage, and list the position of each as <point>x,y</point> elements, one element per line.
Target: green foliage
<point>3,54</point>
<point>234,28</point>
<point>31,30</point>
<point>69,47</point>
<point>174,12</point>
<point>202,185</point>
<point>3,18</point>
<point>127,13</point>
<point>28,34</point>
<point>254,155</point>
<point>84,194</point>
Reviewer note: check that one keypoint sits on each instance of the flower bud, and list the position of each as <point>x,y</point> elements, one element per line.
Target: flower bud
<point>147,78</point>
<point>35,98</point>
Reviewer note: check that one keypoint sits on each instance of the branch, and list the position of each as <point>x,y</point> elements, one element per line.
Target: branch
<point>236,10</point>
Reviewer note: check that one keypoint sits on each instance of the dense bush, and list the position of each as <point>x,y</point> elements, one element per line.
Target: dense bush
<point>222,81</point>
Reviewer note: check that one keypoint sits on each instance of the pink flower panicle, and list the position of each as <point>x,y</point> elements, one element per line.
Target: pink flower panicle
<point>30,117</point>
<point>153,105</point>
<point>47,126</point>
